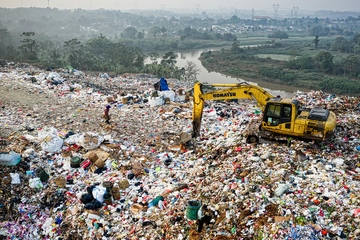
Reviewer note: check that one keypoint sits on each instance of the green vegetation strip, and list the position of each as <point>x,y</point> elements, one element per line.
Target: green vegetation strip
<point>293,64</point>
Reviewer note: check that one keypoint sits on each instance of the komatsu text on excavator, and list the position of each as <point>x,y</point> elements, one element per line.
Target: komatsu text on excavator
<point>280,116</point>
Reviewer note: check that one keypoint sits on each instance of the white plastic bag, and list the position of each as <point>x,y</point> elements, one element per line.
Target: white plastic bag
<point>47,226</point>
<point>90,140</point>
<point>35,183</point>
<point>168,94</point>
<point>281,189</point>
<point>15,178</point>
<point>98,193</point>
<point>156,101</point>
<point>73,139</point>
<point>50,141</point>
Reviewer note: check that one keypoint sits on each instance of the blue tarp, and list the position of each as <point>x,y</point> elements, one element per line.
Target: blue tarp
<point>163,85</point>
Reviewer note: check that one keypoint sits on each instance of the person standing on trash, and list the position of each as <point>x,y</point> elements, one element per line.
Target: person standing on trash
<point>106,114</point>
<point>204,216</point>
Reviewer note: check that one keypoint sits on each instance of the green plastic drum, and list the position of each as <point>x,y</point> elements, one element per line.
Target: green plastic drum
<point>192,209</point>
<point>75,162</point>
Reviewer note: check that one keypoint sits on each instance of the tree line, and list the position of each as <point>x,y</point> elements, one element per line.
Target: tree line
<point>96,54</point>
<point>324,61</point>
<point>186,33</point>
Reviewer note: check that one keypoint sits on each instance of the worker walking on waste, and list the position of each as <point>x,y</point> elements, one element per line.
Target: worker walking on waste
<point>106,114</point>
<point>204,216</point>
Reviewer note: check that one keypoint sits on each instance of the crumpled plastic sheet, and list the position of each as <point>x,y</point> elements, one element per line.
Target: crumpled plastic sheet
<point>302,232</point>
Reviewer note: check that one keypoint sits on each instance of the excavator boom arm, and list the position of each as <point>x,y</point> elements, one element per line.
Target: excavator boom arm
<point>225,91</point>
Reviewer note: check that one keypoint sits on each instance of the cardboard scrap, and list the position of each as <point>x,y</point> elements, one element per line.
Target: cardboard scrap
<point>96,154</point>
<point>281,218</point>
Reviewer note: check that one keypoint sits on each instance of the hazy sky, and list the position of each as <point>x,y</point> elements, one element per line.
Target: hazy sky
<point>200,5</point>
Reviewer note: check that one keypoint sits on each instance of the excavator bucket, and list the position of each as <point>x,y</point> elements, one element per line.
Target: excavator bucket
<point>185,137</point>
<point>196,128</point>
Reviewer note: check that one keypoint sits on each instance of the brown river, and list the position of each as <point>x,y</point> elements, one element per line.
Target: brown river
<point>214,77</point>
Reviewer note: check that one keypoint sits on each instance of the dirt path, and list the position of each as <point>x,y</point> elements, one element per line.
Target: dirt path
<point>25,105</point>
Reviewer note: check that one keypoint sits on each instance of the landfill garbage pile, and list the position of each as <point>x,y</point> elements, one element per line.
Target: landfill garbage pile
<point>66,174</point>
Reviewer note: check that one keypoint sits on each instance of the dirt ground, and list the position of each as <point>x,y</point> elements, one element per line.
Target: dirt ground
<point>23,105</point>
<point>21,95</point>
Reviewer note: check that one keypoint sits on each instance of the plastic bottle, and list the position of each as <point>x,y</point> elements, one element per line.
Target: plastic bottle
<point>155,201</point>
<point>9,159</point>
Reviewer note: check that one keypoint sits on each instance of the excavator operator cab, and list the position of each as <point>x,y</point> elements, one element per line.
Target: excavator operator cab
<point>277,112</point>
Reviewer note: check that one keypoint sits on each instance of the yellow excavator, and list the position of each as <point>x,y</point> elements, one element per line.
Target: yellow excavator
<point>280,116</point>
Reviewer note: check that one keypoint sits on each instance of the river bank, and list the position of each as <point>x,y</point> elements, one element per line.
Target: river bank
<point>285,73</point>
<point>207,76</point>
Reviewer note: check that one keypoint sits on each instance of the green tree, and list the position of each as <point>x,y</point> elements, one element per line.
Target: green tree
<point>169,59</point>
<point>166,68</point>
<point>316,41</point>
<point>140,35</point>
<point>235,47</point>
<point>4,36</point>
<point>356,39</point>
<point>341,44</point>
<point>125,58</point>
<point>188,31</point>
<point>5,44</point>
<point>302,62</point>
<point>163,31</point>
<point>234,19</point>
<point>50,54</point>
<point>318,31</point>
<point>154,31</point>
<point>217,36</point>
<point>324,60</point>
<point>351,65</point>
<point>191,71</point>
<point>154,57</point>
<point>206,36</point>
<point>229,37</point>
<point>29,46</point>
<point>174,44</point>
<point>100,45</point>
<point>357,48</point>
<point>74,53</point>
<point>100,49</point>
<point>129,32</point>
<point>153,68</point>
<point>306,62</point>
